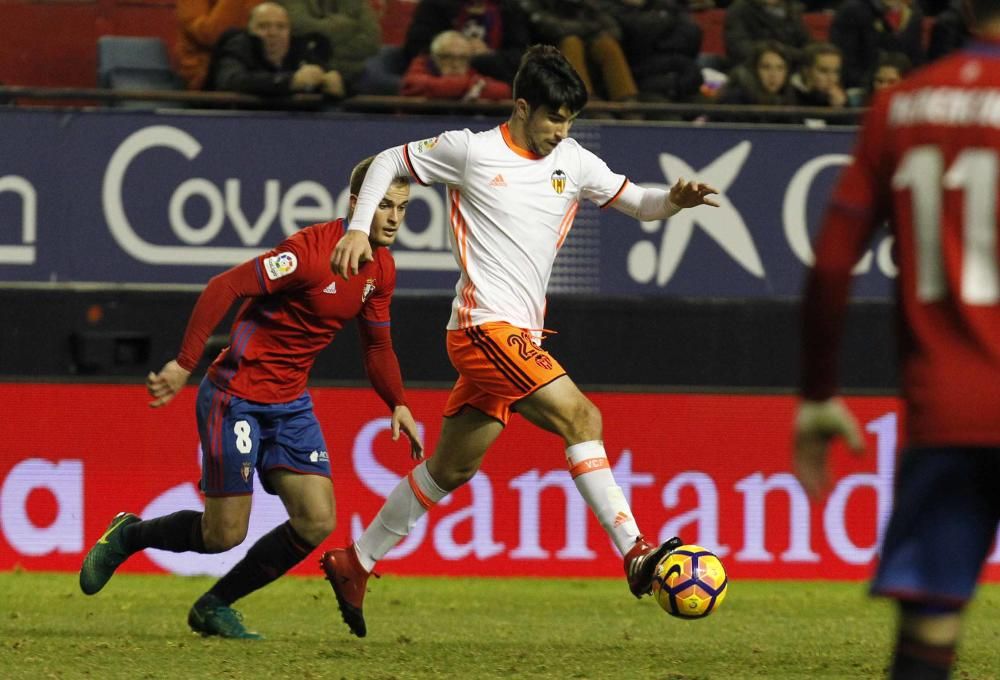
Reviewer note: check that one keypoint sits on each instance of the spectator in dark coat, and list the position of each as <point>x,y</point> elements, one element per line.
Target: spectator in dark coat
<point>266,60</point>
<point>750,21</point>
<point>863,28</point>
<point>446,73</point>
<point>764,80</point>
<point>817,83</point>
<point>588,37</point>
<point>949,32</point>
<point>662,43</point>
<point>350,27</point>
<point>498,30</point>
<point>890,69</point>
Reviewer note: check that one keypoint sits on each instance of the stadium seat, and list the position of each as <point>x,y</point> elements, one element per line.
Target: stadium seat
<point>133,63</point>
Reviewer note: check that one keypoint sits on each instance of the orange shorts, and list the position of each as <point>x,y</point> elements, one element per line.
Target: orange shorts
<point>497,365</point>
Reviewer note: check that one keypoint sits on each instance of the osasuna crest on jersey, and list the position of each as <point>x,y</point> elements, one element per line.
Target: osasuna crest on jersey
<point>369,289</point>
<point>559,181</point>
<point>280,265</point>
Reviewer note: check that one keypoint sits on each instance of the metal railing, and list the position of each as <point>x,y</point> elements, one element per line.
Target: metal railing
<point>698,112</point>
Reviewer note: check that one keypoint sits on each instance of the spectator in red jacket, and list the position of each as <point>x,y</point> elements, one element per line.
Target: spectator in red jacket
<point>447,73</point>
<point>498,30</point>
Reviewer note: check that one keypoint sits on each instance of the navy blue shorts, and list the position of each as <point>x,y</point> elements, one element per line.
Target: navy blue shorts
<point>240,436</point>
<point>943,523</point>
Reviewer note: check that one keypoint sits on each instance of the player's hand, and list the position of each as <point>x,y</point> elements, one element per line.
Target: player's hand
<point>686,194</point>
<point>351,251</point>
<point>402,421</point>
<point>816,424</point>
<point>165,385</point>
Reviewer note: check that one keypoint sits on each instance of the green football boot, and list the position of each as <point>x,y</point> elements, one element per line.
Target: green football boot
<point>106,555</point>
<point>209,616</point>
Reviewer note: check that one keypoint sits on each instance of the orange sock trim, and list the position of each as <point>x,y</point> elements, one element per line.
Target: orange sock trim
<point>418,492</point>
<point>589,465</point>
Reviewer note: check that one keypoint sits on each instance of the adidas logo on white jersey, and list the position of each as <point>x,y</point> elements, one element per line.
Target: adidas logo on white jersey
<point>331,289</point>
<point>498,181</point>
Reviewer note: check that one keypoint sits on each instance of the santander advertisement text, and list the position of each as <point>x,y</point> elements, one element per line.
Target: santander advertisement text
<point>712,468</point>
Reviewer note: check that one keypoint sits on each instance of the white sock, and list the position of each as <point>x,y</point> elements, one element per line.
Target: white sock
<point>588,464</point>
<point>413,496</point>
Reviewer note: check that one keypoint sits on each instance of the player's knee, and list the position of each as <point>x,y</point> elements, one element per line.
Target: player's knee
<point>456,476</point>
<point>585,421</point>
<point>314,529</point>
<point>594,419</point>
<point>223,541</point>
<point>220,539</point>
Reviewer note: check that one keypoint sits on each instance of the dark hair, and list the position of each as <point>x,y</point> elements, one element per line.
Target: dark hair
<point>361,169</point>
<point>761,48</point>
<point>814,50</point>
<point>896,60</point>
<point>545,78</point>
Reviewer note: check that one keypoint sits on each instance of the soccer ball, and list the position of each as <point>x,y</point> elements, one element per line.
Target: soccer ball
<point>690,582</point>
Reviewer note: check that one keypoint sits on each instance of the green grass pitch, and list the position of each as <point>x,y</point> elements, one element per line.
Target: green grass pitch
<point>461,628</point>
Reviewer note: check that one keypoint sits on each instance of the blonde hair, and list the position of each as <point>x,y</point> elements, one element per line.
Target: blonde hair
<point>361,170</point>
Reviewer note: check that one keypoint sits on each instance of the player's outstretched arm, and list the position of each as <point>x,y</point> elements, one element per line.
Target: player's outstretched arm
<point>686,194</point>
<point>402,421</point>
<point>165,385</point>
<point>654,203</point>
<point>817,423</point>
<point>351,251</point>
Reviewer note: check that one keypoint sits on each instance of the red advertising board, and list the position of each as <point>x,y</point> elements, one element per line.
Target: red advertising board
<point>712,468</point>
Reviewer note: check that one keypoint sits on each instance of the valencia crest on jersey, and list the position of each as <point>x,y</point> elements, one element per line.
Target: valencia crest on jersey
<point>559,181</point>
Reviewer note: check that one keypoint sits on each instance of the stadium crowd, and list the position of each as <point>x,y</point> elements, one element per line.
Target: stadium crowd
<point>625,50</point>
<point>771,53</point>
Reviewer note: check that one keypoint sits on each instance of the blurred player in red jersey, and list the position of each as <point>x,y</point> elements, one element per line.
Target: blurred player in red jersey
<point>513,193</point>
<point>254,412</point>
<point>928,161</point>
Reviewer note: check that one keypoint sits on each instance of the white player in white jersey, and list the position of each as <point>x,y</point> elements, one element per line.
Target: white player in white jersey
<point>513,193</point>
<point>511,210</point>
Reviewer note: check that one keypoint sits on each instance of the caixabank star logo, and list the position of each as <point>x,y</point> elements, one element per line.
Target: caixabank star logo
<point>775,240</point>
<point>648,263</point>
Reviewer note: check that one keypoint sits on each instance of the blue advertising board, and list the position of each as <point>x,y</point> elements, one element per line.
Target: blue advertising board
<point>149,198</point>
